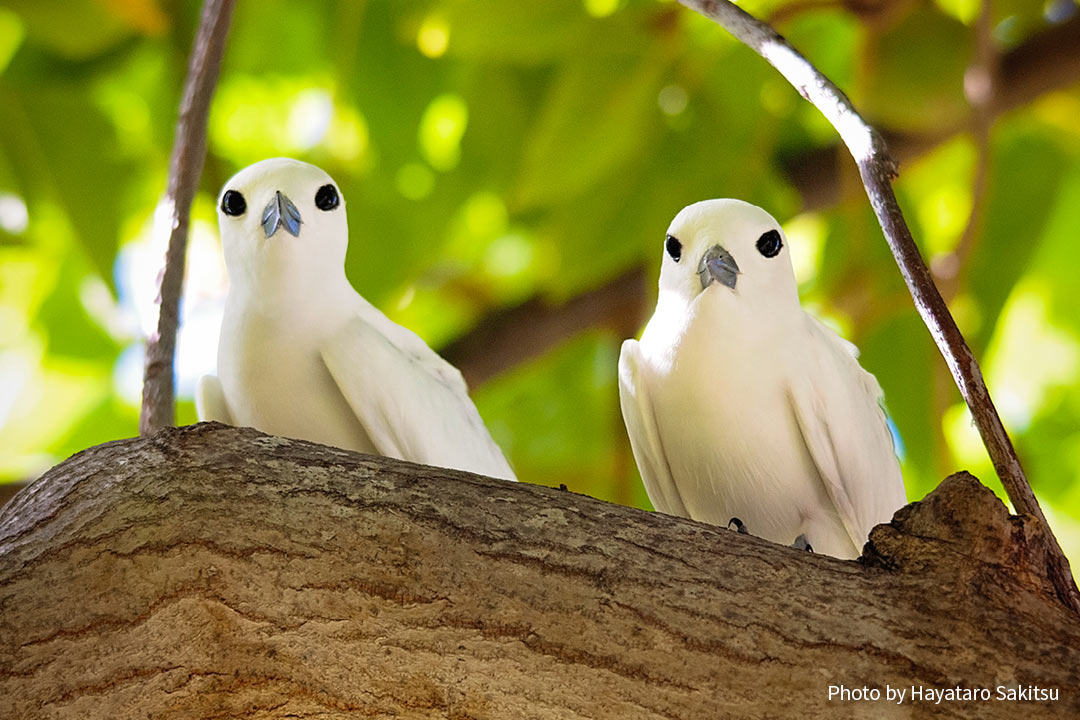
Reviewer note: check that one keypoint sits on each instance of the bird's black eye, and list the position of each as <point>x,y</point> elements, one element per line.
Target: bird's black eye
<point>770,243</point>
<point>233,203</point>
<point>326,198</point>
<point>673,247</point>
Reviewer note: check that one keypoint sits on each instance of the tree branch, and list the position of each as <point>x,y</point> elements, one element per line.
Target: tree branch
<point>877,169</point>
<point>498,342</point>
<point>213,571</point>
<point>185,168</point>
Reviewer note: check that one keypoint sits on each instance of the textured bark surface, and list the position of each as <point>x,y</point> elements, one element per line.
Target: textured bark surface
<point>218,572</point>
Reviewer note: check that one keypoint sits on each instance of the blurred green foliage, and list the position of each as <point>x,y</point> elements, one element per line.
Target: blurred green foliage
<point>494,151</point>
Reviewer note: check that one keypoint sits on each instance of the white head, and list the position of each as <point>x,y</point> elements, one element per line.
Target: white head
<point>283,227</point>
<point>727,246</point>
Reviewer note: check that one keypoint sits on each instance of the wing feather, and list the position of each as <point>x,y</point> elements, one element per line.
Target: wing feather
<point>640,422</point>
<point>210,402</point>
<point>838,408</point>
<point>413,404</point>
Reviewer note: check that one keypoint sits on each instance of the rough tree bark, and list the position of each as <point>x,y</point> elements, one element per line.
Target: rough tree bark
<point>218,572</point>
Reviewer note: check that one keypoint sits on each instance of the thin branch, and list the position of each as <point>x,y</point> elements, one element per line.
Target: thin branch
<point>185,168</point>
<point>878,169</point>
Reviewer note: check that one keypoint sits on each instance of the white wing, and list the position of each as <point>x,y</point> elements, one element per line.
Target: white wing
<point>210,401</point>
<point>838,407</point>
<point>413,404</point>
<point>640,422</point>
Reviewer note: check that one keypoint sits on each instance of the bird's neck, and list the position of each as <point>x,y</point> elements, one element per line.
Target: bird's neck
<point>718,312</point>
<point>298,296</point>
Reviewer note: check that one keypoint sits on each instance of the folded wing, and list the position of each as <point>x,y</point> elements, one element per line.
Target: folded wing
<point>640,422</point>
<point>838,407</point>
<point>413,404</point>
<point>210,401</point>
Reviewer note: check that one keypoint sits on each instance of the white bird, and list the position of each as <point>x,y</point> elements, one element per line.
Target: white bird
<point>739,404</point>
<point>303,355</point>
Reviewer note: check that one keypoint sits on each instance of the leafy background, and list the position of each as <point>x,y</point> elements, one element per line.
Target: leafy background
<point>504,155</point>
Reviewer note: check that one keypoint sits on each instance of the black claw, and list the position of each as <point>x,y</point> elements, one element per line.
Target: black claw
<point>739,526</point>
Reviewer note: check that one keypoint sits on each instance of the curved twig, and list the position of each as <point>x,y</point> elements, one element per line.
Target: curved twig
<point>185,168</point>
<point>877,170</point>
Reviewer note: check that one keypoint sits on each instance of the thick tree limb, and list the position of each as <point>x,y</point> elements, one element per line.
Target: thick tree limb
<point>185,168</point>
<point>877,169</point>
<point>218,572</point>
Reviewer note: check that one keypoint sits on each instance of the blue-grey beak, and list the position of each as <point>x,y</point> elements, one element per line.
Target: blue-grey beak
<point>281,212</point>
<point>717,265</point>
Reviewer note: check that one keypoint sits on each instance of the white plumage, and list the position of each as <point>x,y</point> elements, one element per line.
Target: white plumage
<point>304,356</point>
<point>740,404</point>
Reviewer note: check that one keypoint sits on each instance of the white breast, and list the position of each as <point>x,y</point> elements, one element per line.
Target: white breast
<point>275,380</point>
<point>719,390</point>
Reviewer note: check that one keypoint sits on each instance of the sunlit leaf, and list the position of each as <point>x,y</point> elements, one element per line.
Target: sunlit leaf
<point>491,30</point>
<point>592,123</point>
<point>81,172</point>
<point>1026,176</point>
<point>83,28</point>
<point>919,72</point>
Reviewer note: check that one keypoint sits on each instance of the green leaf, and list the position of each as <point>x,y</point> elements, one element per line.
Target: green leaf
<point>535,414</point>
<point>80,29</point>
<point>534,33</point>
<point>1026,176</point>
<point>594,121</point>
<point>919,73</point>
<point>71,331</point>
<point>901,354</point>
<point>81,172</point>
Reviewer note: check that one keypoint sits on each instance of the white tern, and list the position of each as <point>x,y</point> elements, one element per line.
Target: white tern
<point>303,355</point>
<point>741,405</point>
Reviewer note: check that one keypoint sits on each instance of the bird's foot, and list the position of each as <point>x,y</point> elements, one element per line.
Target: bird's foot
<point>738,525</point>
<point>801,543</point>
